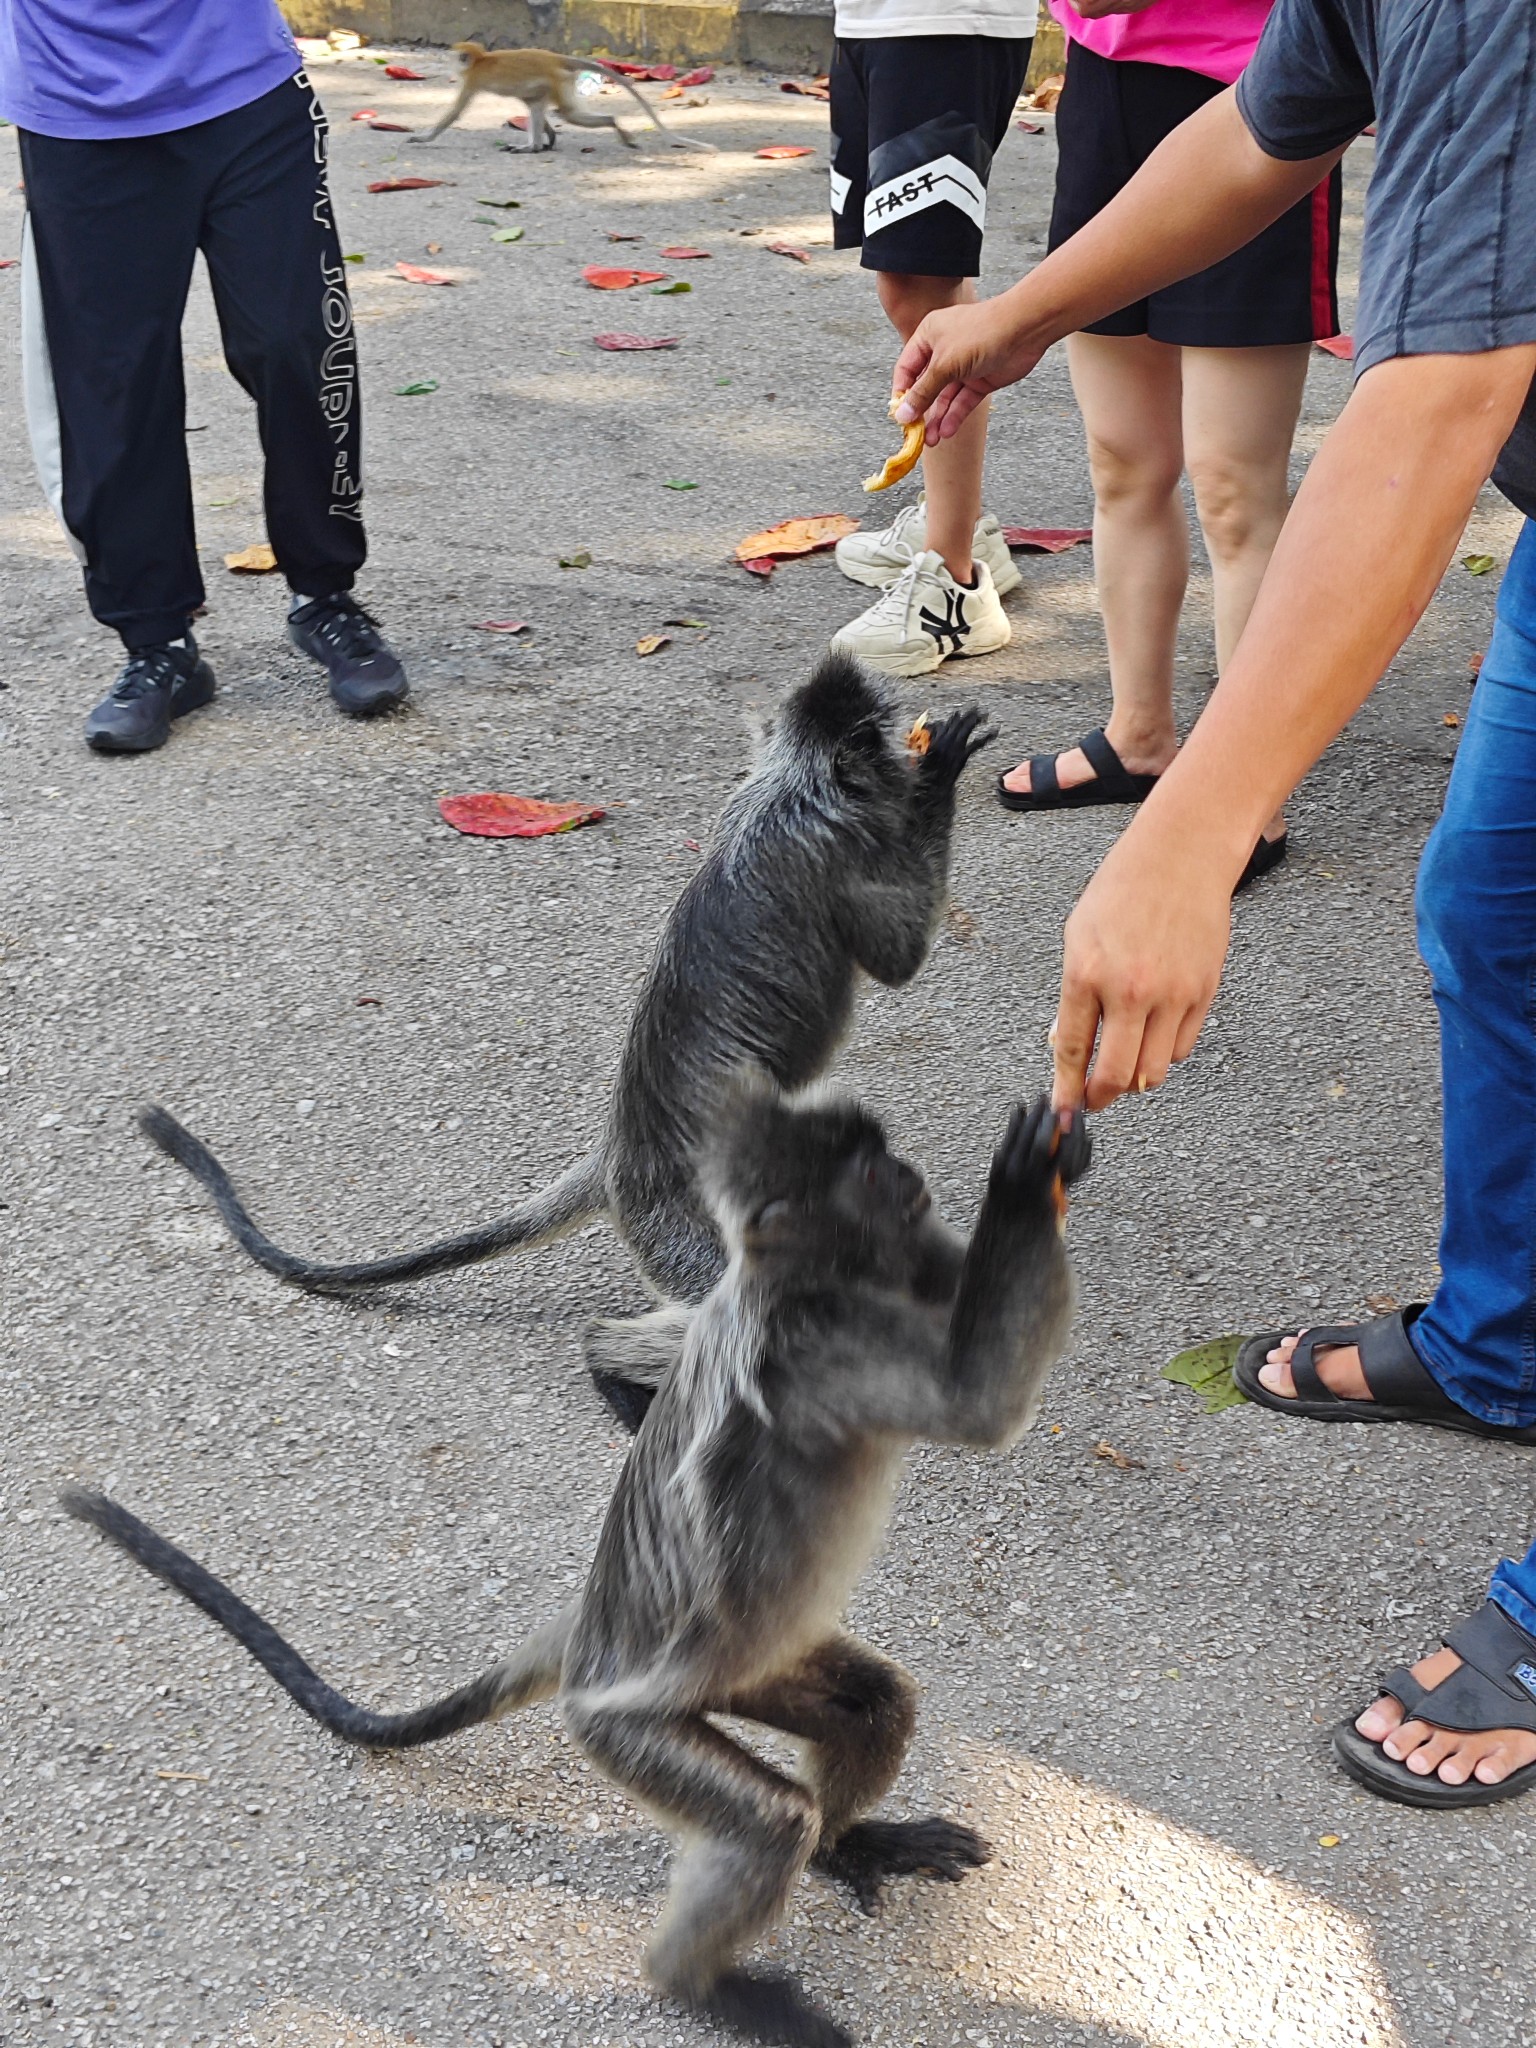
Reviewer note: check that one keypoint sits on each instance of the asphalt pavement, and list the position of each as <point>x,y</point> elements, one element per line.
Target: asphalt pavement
<point>1129,1665</point>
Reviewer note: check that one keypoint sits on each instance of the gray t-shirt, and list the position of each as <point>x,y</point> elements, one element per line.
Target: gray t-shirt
<point>1448,265</point>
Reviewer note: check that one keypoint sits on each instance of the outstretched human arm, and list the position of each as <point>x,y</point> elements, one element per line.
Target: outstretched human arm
<point>1367,540</point>
<point>1206,191</point>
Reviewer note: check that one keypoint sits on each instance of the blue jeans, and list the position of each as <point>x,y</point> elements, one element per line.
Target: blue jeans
<point>1477,933</point>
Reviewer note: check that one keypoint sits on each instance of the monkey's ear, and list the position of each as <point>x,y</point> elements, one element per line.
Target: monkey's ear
<point>856,752</point>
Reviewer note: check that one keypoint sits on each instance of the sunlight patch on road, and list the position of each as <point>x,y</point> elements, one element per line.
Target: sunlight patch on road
<point>1102,1912</point>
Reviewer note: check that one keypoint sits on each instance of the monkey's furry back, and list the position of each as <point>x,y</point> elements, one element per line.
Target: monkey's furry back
<point>833,855</point>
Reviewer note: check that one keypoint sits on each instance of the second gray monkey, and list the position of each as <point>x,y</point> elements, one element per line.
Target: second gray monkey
<point>832,857</point>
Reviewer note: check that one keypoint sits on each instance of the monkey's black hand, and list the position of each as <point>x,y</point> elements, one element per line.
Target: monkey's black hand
<point>869,1852</point>
<point>954,741</point>
<point>1042,1149</point>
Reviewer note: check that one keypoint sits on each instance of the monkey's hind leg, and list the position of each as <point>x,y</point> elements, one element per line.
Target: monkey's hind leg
<point>747,1833</point>
<point>580,117</point>
<point>540,134</point>
<point>857,1710</point>
<point>629,1360</point>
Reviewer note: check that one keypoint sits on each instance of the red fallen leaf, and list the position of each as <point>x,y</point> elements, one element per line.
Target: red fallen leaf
<point>366,114</point>
<point>788,249</point>
<point>684,255</point>
<point>629,70</point>
<point>404,184</point>
<point>390,128</point>
<point>760,565</point>
<point>662,73</point>
<point>815,91</point>
<point>1340,345</point>
<point>1047,540</point>
<point>603,280</point>
<point>493,814</point>
<point>502,626</point>
<point>9,262</point>
<point>795,537</point>
<point>628,341</point>
<point>402,71</point>
<point>1031,127</point>
<point>414,274</point>
<point>776,150</point>
<point>517,121</point>
<point>700,77</point>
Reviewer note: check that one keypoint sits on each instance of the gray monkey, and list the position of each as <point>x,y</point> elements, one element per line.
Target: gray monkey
<point>832,857</point>
<point>849,1323</point>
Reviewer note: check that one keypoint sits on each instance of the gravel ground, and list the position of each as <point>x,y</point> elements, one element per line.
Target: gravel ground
<point>1129,1673</point>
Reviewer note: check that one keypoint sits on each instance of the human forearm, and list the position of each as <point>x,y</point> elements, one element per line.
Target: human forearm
<point>1205,191</point>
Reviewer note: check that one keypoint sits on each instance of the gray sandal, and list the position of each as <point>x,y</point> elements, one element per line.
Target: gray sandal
<point>1495,1687</point>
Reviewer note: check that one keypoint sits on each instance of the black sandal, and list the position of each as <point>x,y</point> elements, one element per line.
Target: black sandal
<point>1495,1687</point>
<point>1267,855</point>
<point>1113,782</point>
<point>1394,1372</point>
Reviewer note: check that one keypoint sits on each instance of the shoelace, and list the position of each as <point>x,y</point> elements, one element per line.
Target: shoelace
<point>895,535</point>
<point>345,626</point>
<point>151,669</point>
<point>897,599</point>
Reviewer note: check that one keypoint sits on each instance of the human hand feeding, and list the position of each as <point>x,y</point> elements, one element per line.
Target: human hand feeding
<point>957,357</point>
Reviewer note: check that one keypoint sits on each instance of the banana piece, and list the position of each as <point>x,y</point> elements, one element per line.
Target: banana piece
<point>904,461</point>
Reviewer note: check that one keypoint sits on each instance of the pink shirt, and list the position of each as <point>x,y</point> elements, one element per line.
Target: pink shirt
<point>1213,37</point>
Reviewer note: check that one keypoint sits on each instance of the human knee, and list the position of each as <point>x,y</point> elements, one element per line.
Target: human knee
<point>1131,471</point>
<point>907,300</point>
<point>1238,509</point>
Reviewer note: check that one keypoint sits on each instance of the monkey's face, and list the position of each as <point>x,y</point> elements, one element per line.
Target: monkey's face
<point>857,1217</point>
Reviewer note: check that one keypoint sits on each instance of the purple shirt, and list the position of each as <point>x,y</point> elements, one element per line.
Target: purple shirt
<point>98,70</point>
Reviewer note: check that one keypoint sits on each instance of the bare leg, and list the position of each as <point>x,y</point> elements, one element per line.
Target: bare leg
<point>952,471</point>
<point>581,117</point>
<point>1129,390</point>
<point>856,1710</point>
<point>748,1834</point>
<point>1240,411</point>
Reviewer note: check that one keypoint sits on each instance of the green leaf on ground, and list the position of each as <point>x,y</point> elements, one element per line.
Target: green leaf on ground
<point>422,388</point>
<point>507,235</point>
<point>1206,1370</point>
<point>675,483</point>
<point>685,622</point>
<point>1478,565</point>
<point>483,201</point>
<point>582,559</point>
<point>669,291</point>
<point>355,256</point>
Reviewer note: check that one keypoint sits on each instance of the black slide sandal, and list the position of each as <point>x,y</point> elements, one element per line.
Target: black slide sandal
<point>1495,1687</point>
<point>1403,1388</point>
<point>1265,857</point>
<point>1113,782</point>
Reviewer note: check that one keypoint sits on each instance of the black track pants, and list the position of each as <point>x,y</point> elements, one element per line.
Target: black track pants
<point>113,229</point>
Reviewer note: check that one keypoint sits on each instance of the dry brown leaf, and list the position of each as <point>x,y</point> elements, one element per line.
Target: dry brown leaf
<point>919,734</point>
<point>256,560</point>
<point>796,537</point>
<point>1119,1459</point>
<point>652,643</point>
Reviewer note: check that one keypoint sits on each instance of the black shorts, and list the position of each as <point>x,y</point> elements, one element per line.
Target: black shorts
<point>916,121</point>
<point>1282,287</point>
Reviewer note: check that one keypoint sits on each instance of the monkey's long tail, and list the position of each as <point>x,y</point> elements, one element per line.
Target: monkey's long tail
<point>640,100</point>
<point>579,1194</point>
<point>532,1674</point>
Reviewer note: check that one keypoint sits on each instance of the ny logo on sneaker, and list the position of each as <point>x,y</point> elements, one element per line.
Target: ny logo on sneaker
<point>951,628</point>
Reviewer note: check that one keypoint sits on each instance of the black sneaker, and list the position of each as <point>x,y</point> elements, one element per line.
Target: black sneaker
<point>365,672</point>
<point>157,684</point>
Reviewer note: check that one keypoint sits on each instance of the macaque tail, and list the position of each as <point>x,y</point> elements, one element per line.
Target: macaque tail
<point>666,128</point>
<point>579,1194</point>
<point>532,1674</point>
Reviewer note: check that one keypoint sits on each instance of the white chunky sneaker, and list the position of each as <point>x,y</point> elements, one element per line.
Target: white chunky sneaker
<point>923,618</point>
<point>879,558</point>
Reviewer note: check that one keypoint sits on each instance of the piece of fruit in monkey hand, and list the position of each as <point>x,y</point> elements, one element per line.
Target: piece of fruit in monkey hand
<point>904,461</point>
<point>920,735</point>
